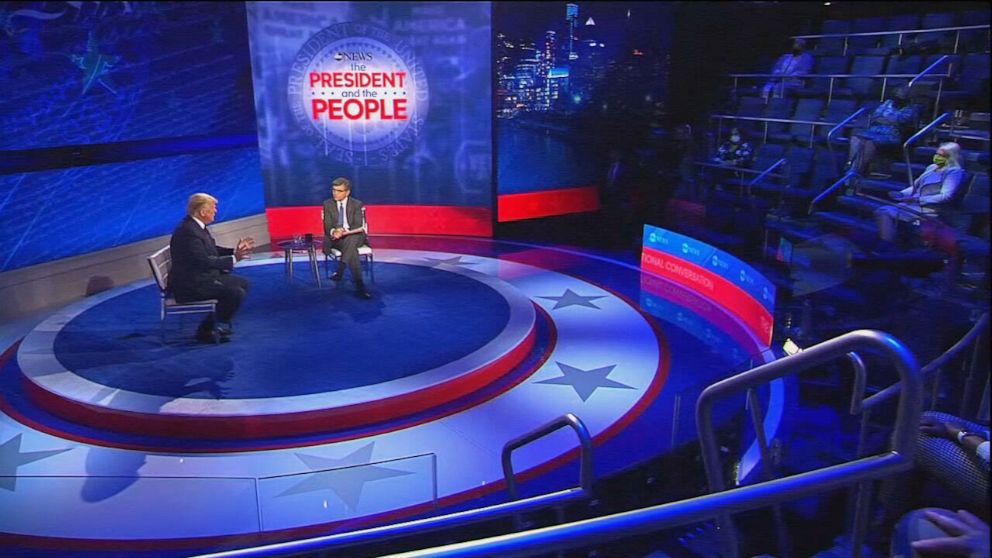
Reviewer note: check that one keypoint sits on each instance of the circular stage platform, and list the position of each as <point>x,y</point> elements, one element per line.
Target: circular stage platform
<point>327,412</point>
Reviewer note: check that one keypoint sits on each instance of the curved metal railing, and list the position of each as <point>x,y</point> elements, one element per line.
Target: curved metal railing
<point>767,171</point>
<point>907,417</point>
<point>957,34</point>
<point>915,138</point>
<point>567,420</point>
<point>934,365</point>
<point>940,82</point>
<point>602,530</point>
<point>829,190</point>
<point>833,132</point>
<point>452,520</point>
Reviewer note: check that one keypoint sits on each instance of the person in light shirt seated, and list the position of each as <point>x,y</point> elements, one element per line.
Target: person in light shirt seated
<point>937,185</point>
<point>795,63</point>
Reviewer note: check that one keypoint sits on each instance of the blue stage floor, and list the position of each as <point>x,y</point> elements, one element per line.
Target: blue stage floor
<point>328,413</point>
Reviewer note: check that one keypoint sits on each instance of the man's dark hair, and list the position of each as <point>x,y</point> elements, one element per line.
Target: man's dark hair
<point>342,181</point>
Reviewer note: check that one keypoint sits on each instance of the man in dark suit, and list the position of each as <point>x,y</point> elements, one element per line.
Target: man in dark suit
<point>202,270</point>
<point>344,229</point>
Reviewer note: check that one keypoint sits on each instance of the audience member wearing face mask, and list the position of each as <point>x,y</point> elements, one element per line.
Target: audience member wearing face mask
<point>937,185</point>
<point>735,151</point>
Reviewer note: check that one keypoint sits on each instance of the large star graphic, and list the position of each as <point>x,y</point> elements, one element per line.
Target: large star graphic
<point>95,66</point>
<point>457,260</point>
<point>585,382</point>
<point>570,298</point>
<point>347,480</point>
<point>11,457</point>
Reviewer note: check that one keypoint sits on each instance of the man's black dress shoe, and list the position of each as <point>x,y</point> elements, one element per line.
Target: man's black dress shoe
<point>337,276</point>
<point>224,330</point>
<point>211,335</point>
<point>362,293</point>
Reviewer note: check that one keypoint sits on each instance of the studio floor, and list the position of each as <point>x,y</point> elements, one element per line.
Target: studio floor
<point>327,413</point>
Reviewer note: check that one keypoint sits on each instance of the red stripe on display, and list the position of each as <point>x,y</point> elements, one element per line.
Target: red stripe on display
<point>712,287</point>
<point>702,307</point>
<point>284,222</point>
<point>513,207</point>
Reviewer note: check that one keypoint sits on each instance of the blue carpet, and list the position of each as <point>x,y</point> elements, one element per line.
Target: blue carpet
<point>290,338</point>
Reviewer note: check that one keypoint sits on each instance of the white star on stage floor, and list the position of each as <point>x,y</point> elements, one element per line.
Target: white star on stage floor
<point>571,298</point>
<point>585,382</point>
<point>348,477</point>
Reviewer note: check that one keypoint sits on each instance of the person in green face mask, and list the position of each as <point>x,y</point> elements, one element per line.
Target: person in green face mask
<point>937,185</point>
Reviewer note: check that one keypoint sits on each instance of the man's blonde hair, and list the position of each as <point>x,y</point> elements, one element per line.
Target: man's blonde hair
<point>197,201</point>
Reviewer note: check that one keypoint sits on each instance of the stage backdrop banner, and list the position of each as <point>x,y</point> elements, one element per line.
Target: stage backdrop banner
<point>393,96</point>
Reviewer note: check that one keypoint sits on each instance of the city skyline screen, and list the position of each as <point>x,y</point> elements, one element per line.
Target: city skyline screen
<point>576,83</point>
<point>395,96</point>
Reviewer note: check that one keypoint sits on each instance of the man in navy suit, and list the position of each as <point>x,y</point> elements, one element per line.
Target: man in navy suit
<point>344,229</point>
<point>202,270</point>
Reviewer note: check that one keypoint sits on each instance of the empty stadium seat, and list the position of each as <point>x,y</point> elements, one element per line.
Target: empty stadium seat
<point>816,87</point>
<point>836,111</point>
<point>944,40</point>
<point>860,45</point>
<point>833,45</point>
<point>806,109</point>
<point>863,88</point>
<point>779,108</point>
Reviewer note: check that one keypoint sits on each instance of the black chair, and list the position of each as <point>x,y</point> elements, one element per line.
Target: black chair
<point>836,111</point>
<point>975,40</point>
<point>806,109</point>
<point>937,40</point>
<point>833,45</point>
<point>899,23</point>
<point>753,107</point>
<point>899,64</point>
<point>781,108</point>
<point>820,87</point>
<point>863,88</point>
<point>865,44</point>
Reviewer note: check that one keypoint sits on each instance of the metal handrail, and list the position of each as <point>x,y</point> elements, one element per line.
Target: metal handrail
<point>840,125</point>
<point>860,383</point>
<point>744,170</point>
<point>903,440</point>
<point>833,131</point>
<point>585,459</point>
<point>935,364</point>
<point>902,32</point>
<point>397,530</point>
<point>645,521</point>
<point>769,119</point>
<point>926,70</point>
<point>916,137</point>
<point>940,86</point>
<point>767,171</point>
<point>829,190</point>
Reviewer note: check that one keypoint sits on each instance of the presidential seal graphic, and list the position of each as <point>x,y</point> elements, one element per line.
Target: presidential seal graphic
<point>358,92</point>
